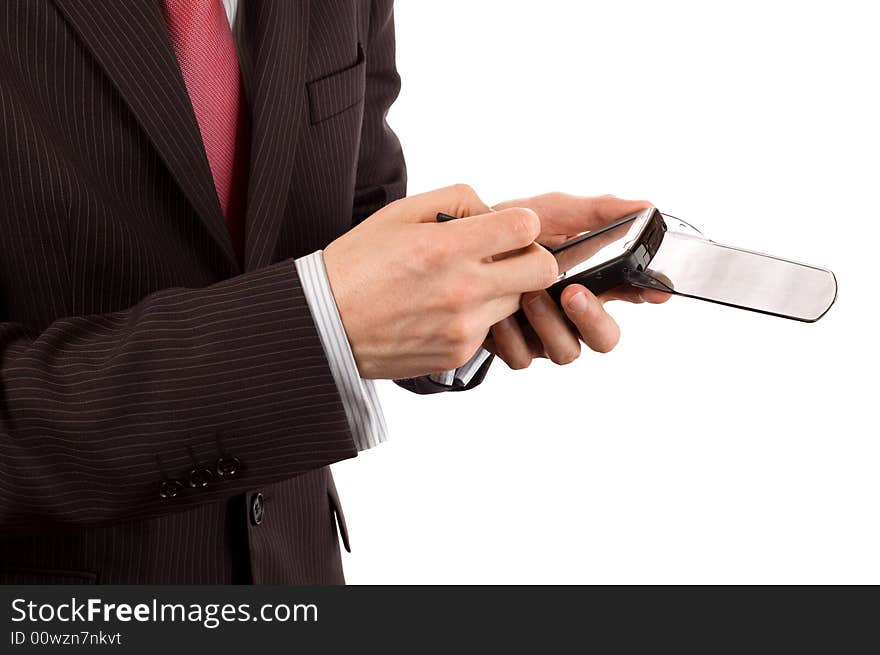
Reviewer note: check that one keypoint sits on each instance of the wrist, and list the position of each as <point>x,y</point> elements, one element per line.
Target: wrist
<point>340,285</point>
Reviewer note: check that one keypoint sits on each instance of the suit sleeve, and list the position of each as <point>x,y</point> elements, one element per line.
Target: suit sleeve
<point>381,171</point>
<point>190,396</point>
<point>381,177</point>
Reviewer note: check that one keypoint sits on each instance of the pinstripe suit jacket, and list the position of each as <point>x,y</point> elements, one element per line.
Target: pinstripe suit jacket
<point>152,386</point>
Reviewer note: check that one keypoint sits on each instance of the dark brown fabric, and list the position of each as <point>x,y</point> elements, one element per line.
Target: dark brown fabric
<point>136,352</point>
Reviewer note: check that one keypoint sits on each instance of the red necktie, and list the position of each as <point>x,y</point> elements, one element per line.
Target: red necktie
<point>205,49</point>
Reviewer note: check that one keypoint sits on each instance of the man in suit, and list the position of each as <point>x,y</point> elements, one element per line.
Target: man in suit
<point>205,259</point>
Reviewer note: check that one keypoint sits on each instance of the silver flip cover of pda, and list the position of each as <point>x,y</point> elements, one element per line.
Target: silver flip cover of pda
<point>693,266</point>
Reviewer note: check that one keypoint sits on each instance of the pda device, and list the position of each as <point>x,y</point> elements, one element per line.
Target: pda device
<point>652,250</point>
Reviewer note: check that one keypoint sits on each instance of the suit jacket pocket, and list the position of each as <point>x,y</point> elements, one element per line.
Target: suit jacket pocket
<point>16,576</point>
<point>334,93</point>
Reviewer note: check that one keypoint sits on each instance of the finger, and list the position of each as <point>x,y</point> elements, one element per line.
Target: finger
<point>598,330</point>
<point>455,200</point>
<point>564,214</point>
<point>531,269</point>
<point>496,232</point>
<point>654,297</point>
<point>560,342</point>
<point>535,345</point>
<point>510,344</point>
<point>625,293</point>
<point>635,295</point>
<point>601,210</point>
<point>497,309</point>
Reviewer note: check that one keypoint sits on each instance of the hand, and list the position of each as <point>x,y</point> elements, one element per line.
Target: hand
<point>416,296</point>
<point>546,332</point>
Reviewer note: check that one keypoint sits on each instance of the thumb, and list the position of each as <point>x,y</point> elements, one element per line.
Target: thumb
<point>564,214</point>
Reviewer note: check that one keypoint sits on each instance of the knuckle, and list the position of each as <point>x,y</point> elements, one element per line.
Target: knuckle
<point>463,338</point>
<point>462,189</point>
<point>467,201</point>
<point>447,302</point>
<point>458,355</point>
<point>607,343</point>
<point>459,334</point>
<point>518,363</point>
<point>567,356</point>
<point>547,269</point>
<point>458,296</point>
<point>556,197</point>
<point>525,224</point>
<point>463,354</point>
<point>465,194</point>
<point>430,253</point>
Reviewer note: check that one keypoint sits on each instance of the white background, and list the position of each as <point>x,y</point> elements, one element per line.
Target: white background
<point>713,445</point>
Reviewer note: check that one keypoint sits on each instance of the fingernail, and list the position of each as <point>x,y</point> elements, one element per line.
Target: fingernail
<point>578,303</point>
<point>538,305</point>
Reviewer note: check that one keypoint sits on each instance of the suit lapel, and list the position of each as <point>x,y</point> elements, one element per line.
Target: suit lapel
<point>279,35</point>
<point>130,41</point>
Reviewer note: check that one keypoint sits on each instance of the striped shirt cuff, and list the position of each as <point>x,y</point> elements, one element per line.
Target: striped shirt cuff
<point>462,374</point>
<point>362,407</point>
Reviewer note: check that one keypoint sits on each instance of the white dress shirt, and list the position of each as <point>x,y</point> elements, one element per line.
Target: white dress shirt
<point>362,407</point>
